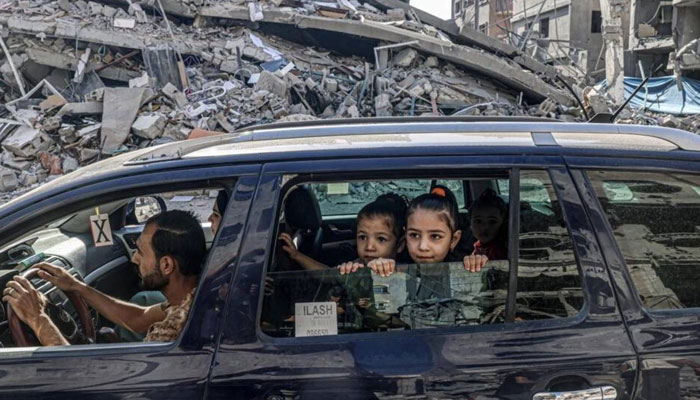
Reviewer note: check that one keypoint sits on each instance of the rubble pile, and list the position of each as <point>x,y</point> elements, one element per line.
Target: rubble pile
<point>83,80</point>
<point>597,101</point>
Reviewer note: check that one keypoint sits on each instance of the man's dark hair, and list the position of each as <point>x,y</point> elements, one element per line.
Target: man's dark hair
<point>179,235</point>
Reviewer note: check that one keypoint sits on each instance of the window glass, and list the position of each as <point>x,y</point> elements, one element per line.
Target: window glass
<point>655,218</point>
<point>345,198</point>
<point>307,295</point>
<point>111,230</point>
<point>549,284</point>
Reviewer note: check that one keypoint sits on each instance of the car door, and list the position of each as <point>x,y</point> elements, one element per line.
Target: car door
<point>169,370</point>
<point>586,353</point>
<point>646,213</point>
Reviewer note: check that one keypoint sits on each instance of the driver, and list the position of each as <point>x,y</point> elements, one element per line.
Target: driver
<point>169,257</point>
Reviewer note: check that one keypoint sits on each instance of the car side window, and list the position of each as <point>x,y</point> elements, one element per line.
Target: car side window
<point>549,284</point>
<point>122,265</point>
<point>655,218</point>
<point>311,291</point>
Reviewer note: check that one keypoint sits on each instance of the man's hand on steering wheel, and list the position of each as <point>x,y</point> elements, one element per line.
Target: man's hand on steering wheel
<point>58,276</point>
<point>29,304</point>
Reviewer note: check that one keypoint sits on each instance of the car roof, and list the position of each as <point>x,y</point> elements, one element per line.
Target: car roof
<point>273,140</point>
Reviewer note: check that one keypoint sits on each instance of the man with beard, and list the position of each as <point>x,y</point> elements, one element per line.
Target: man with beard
<point>169,257</point>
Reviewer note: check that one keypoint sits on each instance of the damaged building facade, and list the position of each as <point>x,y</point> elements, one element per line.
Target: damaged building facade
<point>664,35</point>
<point>564,32</point>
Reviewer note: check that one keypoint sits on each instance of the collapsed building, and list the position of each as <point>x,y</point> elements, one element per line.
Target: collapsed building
<point>84,80</point>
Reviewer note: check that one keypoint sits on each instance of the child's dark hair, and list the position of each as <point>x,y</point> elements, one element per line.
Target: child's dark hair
<point>387,205</point>
<point>440,200</point>
<point>489,198</point>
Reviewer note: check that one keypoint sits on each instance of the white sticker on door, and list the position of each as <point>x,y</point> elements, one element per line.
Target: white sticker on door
<point>315,319</point>
<point>101,231</point>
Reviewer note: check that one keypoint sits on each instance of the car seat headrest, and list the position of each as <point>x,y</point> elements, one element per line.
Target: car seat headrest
<point>302,210</point>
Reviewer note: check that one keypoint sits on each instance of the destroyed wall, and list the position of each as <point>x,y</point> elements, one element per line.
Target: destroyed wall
<point>664,34</point>
<point>564,31</point>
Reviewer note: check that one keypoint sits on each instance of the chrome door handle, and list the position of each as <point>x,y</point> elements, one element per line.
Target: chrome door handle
<point>598,393</point>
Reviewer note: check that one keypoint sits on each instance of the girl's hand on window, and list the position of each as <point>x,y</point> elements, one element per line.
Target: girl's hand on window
<point>349,267</point>
<point>475,262</point>
<point>382,266</point>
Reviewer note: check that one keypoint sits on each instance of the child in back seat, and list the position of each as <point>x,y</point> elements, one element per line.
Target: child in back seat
<point>488,217</point>
<point>432,235</point>
<point>380,235</point>
<point>380,227</point>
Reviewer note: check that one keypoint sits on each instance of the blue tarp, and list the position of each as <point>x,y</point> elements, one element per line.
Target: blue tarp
<point>664,96</point>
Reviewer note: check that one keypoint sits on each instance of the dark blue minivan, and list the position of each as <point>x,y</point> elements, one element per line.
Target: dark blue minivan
<point>589,294</point>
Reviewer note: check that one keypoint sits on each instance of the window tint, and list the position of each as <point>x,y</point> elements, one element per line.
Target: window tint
<point>307,295</point>
<point>549,284</point>
<point>345,198</point>
<point>655,218</point>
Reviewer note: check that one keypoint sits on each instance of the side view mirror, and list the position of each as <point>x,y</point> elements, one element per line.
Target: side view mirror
<point>140,209</point>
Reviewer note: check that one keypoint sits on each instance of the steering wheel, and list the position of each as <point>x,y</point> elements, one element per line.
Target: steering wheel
<point>19,334</point>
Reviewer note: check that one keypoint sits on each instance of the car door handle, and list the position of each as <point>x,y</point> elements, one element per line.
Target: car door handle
<point>598,393</point>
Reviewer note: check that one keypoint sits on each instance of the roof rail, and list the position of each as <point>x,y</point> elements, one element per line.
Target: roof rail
<point>388,120</point>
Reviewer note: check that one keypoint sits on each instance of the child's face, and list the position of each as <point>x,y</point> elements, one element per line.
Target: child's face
<point>485,223</point>
<point>429,237</point>
<point>376,239</point>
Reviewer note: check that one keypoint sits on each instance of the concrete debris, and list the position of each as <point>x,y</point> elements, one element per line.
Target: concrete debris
<point>218,66</point>
<point>25,141</point>
<point>148,126</point>
<point>8,180</point>
<point>127,23</point>
<point>81,109</point>
<point>117,119</point>
<point>175,95</point>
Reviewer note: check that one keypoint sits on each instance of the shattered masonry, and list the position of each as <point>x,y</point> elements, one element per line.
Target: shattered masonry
<point>222,65</point>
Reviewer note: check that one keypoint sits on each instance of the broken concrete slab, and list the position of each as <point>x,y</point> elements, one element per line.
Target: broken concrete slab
<point>469,36</point>
<point>69,165</point>
<point>52,102</point>
<point>148,126</point>
<point>80,109</point>
<point>404,58</point>
<point>8,180</point>
<point>16,163</point>
<point>126,23</point>
<point>142,81</point>
<point>117,119</point>
<point>25,141</point>
<point>175,95</point>
<point>28,179</point>
<point>64,61</point>
<point>484,63</point>
<point>88,130</point>
<point>88,154</point>
<point>268,81</point>
<point>396,14</point>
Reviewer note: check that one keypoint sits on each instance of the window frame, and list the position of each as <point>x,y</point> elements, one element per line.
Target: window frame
<point>303,175</point>
<point>51,208</point>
